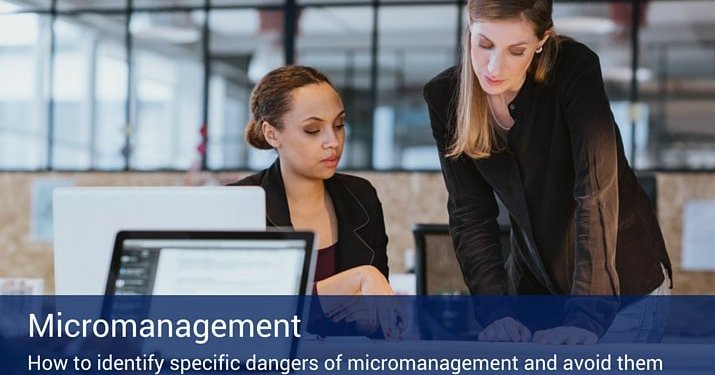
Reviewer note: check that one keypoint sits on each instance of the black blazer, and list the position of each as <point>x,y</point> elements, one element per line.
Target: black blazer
<point>581,223</point>
<point>361,226</point>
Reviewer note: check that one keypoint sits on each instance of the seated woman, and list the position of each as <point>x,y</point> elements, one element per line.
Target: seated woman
<point>297,112</point>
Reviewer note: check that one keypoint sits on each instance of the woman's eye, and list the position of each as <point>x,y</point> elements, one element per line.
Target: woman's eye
<point>518,53</point>
<point>312,132</point>
<point>485,46</point>
<point>340,126</point>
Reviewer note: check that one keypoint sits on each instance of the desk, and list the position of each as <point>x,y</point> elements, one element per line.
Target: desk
<point>674,358</point>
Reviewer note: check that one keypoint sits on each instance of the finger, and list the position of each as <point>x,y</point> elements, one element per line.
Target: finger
<point>358,312</point>
<point>501,332</point>
<point>492,334</point>
<point>384,322</point>
<point>524,333</point>
<point>339,315</point>
<point>556,337</point>
<point>486,334</point>
<point>590,339</point>
<point>340,305</point>
<point>329,305</point>
<point>512,330</point>
<point>482,335</point>
<point>539,336</point>
<point>392,319</point>
<point>574,339</point>
<point>545,336</point>
<point>347,309</point>
<point>404,317</point>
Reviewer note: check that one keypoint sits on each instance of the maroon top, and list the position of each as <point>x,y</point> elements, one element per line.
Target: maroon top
<point>325,266</point>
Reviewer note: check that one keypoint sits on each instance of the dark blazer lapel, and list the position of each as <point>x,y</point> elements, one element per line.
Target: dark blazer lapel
<point>352,218</point>
<point>277,212</point>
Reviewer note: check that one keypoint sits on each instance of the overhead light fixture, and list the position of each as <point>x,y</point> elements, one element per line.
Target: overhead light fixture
<point>18,30</point>
<point>174,27</point>
<point>6,7</point>
<point>584,25</point>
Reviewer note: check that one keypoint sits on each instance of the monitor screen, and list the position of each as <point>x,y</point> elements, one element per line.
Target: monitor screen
<point>87,220</point>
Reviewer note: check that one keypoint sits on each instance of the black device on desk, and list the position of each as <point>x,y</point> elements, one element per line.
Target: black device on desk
<point>268,268</point>
<point>211,263</point>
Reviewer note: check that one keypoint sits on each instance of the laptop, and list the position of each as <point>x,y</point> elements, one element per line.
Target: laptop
<point>87,219</point>
<point>211,263</point>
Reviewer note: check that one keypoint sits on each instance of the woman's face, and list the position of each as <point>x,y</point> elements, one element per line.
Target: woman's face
<point>313,134</point>
<point>502,52</point>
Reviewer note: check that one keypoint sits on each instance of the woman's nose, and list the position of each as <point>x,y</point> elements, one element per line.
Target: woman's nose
<point>331,139</point>
<point>494,65</point>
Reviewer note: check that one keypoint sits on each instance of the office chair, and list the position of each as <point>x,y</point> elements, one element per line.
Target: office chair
<point>650,185</point>
<point>437,270</point>
<point>444,315</point>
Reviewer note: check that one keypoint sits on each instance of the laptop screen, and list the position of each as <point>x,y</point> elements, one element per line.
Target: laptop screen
<point>212,264</point>
<point>206,263</point>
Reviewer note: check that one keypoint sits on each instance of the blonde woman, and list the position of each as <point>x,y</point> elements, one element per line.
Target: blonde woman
<point>525,116</point>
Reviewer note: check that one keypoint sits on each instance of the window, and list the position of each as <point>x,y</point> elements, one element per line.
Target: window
<point>165,132</point>
<point>678,84</point>
<point>107,102</point>
<point>414,49</point>
<point>24,43</point>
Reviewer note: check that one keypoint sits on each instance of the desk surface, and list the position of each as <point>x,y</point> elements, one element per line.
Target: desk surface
<point>676,358</point>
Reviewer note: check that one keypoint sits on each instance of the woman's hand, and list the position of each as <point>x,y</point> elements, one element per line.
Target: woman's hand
<point>369,310</point>
<point>505,329</point>
<point>389,313</point>
<point>565,336</point>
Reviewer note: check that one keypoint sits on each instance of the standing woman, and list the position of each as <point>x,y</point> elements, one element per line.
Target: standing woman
<point>525,116</point>
<point>297,112</point>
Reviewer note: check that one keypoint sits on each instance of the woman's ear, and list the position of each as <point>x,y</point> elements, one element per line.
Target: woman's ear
<point>270,133</point>
<point>548,34</point>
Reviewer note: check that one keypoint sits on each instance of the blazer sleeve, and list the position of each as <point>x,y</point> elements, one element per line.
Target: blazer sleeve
<point>593,140</point>
<point>380,239</point>
<point>472,209</point>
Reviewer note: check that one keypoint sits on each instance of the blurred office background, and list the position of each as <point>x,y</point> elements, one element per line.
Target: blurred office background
<point>103,92</point>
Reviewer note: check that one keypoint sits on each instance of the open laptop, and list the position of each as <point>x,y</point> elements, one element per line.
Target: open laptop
<point>87,219</point>
<point>211,263</point>
<point>214,264</point>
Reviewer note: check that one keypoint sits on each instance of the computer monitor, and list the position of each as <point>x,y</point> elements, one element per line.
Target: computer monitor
<point>211,263</point>
<point>87,220</point>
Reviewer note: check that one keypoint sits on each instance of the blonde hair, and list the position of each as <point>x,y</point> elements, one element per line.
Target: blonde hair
<point>474,135</point>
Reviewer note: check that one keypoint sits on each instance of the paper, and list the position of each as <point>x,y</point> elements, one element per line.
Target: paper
<point>699,236</point>
<point>41,211</point>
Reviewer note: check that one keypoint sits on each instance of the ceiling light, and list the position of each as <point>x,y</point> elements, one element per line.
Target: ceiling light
<point>6,7</point>
<point>18,30</point>
<point>175,27</point>
<point>584,25</point>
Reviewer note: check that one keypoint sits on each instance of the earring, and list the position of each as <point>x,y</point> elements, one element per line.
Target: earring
<point>540,49</point>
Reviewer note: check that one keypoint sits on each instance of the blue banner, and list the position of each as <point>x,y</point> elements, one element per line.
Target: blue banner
<point>320,335</point>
